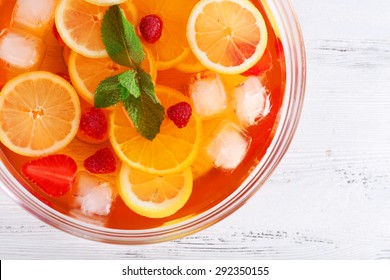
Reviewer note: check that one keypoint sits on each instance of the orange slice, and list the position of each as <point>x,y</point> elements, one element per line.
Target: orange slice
<point>131,11</point>
<point>39,114</point>
<point>173,149</point>
<point>154,196</point>
<point>86,73</point>
<point>172,47</point>
<point>227,36</point>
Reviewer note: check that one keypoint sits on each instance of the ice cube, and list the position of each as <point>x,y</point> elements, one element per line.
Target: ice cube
<point>36,16</point>
<point>92,195</point>
<point>20,51</point>
<point>250,101</point>
<point>208,95</point>
<point>228,146</point>
<point>98,201</point>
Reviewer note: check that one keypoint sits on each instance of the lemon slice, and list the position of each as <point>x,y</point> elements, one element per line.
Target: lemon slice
<point>173,150</point>
<point>39,114</point>
<point>227,36</point>
<point>78,23</point>
<point>154,196</point>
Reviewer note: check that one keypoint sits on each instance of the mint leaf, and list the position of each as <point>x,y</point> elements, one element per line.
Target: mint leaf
<point>146,111</point>
<point>147,86</point>
<point>129,81</point>
<point>120,39</point>
<point>109,92</point>
<point>147,115</point>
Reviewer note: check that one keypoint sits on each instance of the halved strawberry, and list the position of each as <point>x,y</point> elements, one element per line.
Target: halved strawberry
<point>54,174</point>
<point>101,162</point>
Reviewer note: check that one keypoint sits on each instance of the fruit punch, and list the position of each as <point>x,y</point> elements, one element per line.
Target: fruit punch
<point>132,114</point>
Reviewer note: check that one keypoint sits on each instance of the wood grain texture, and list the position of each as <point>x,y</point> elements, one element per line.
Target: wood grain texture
<point>330,196</point>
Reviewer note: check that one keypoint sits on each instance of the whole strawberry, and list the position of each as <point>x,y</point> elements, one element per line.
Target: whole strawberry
<point>180,114</point>
<point>151,28</point>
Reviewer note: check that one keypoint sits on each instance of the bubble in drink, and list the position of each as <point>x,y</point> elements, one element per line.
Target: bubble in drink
<point>36,16</point>
<point>20,51</point>
<point>250,101</point>
<point>228,146</point>
<point>208,94</point>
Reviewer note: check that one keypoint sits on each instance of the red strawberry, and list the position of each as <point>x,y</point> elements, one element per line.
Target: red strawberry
<point>54,174</point>
<point>101,162</point>
<point>180,114</point>
<point>93,126</point>
<point>151,28</point>
<point>264,65</point>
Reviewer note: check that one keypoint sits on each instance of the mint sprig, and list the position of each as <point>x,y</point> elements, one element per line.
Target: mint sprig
<point>134,88</point>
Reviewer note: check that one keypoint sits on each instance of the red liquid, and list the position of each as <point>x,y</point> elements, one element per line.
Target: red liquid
<point>6,8</point>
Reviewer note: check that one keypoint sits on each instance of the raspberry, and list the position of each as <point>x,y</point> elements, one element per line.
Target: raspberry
<point>101,162</point>
<point>151,28</point>
<point>94,123</point>
<point>180,114</point>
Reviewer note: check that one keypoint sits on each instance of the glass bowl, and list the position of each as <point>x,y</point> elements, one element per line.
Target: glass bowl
<point>284,16</point>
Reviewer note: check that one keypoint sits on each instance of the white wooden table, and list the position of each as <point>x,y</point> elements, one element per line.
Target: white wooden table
<point>330,196</point>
